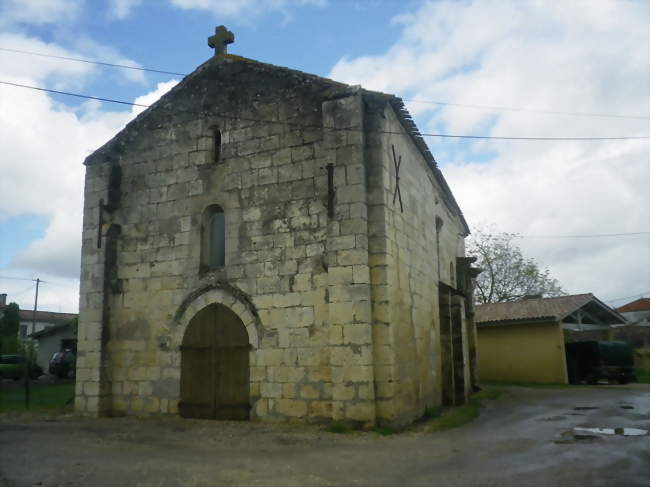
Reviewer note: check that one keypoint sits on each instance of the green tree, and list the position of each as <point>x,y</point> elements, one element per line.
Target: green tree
<point>9,325</point>
<point>506,274</point>
<point>74,324</point>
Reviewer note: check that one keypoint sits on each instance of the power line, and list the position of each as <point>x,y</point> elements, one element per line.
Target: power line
<point>597,235</point>
<point>89,61</point>
<point>432,102</point>
<point>494,137</point>
<point>628,297</point>
<point>15,295</point>
<point>532,110</point>
<point>98,98</point>
<point>20,278</point>
<point>452,136</point>
<point>17,278</point>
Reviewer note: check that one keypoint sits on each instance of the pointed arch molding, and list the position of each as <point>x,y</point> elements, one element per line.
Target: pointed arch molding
<point>228,295</point>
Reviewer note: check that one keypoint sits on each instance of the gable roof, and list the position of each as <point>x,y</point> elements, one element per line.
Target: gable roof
<point>642,304</point>
<point>45,316</point>
<point>331,89</point>
<point>562,308</point>
<point>50,330</point>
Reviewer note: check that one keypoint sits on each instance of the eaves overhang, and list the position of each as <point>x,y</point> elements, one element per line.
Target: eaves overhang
<point>550,320</point>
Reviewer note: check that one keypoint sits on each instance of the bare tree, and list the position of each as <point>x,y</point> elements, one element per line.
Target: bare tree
<point>507,275</point>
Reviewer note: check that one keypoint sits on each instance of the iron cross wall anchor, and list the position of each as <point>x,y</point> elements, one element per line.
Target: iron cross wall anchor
<point>397,163</point>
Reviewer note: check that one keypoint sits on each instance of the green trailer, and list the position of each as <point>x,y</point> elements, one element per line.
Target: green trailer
<point>593,361</point>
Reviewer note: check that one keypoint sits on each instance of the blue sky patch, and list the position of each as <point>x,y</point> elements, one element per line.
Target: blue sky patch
<point>17,232</point>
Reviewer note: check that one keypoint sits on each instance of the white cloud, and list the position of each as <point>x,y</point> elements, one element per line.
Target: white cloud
<point>104,53</point>
<point>120,9</point>
<point>38,12</point>
<point>60,73</point>
<point>153,96</point>
<point>244,8</point>
<point>54,293</point>
<point>580,56</point>
<point>43,144</point>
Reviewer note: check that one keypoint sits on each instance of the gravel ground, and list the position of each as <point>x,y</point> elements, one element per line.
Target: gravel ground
<point>525,438</point>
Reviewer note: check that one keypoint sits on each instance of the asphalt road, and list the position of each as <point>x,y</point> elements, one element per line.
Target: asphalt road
<point>523,439</point>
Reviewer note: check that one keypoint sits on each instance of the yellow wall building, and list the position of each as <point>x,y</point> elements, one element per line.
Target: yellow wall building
<point>523,341</point>
<point>530,352</point>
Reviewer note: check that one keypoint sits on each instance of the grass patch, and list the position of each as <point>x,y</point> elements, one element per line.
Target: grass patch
<point>383,430</point>
<point>464,414</point>
<point>642,376</point>
<point>489,394</point>
<point>340,428</point>
<point>432,412</point>
<point>456,417</point>
<point>44,398</point>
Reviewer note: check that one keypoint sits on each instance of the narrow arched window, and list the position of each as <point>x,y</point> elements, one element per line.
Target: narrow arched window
<point>213,245</point>
<point>216,147</point>
<point>217,240</point>
<point>452,275</point>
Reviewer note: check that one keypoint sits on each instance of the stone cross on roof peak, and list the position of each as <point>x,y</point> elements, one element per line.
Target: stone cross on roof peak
<point>221,38</point>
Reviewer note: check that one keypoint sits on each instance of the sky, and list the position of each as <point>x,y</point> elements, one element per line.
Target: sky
<point>481,67</point>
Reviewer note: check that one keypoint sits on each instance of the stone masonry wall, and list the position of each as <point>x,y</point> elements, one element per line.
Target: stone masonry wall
<point>305,276</point>
<point>351,350</point>
<point>405,272</point>
<point>89,336</point>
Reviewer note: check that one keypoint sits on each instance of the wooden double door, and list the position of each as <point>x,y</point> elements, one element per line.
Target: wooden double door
<point>215,377</point>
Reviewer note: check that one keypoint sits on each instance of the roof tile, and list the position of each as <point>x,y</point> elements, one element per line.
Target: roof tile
<point>533,309</point>
<point>642,304</point>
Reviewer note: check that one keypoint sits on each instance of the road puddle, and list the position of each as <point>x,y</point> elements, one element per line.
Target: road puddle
<point>553,418</point>
<point>609,431</point>
<point>596,434</point>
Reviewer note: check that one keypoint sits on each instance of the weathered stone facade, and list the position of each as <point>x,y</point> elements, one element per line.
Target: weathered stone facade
<point>335,276</point>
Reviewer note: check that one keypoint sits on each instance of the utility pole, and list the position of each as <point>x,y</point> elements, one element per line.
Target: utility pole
<point>30,352</point>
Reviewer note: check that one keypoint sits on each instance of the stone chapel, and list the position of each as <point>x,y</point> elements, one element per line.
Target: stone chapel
<point>271,245</point>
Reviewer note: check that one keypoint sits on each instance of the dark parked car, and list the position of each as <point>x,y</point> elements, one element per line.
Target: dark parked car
<point>591,361</point>
<point>13,367</point>
<point>62,364</point>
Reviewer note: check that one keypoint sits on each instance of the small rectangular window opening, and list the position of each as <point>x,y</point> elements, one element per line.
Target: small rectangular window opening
<point>216,137</point>
<point>217,241</point>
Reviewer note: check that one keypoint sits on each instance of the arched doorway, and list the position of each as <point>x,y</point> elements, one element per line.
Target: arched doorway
<point>215,366</point>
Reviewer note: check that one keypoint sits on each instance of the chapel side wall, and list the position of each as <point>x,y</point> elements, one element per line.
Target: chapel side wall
<point>405,274</point>
<point>272,186</point>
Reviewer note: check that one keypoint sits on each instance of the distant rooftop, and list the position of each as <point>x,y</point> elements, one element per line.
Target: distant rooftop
<point>562,308</point>
<point>642,304</point>
<point>50,330</point>
<point>46,316</point>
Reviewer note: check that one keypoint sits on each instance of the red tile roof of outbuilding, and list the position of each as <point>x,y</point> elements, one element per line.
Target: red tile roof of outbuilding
<point>642,304</point>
